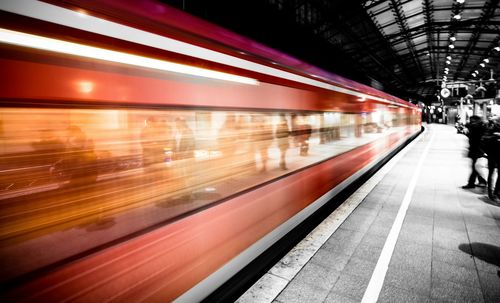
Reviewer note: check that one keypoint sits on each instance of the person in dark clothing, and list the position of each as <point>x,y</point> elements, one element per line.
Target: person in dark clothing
<point>491,145</point>
<point>475,131</point>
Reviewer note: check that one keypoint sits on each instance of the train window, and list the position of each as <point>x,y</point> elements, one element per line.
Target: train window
<point>102,175</point>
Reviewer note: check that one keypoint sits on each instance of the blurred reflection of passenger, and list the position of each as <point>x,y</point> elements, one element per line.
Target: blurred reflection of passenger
<point>184,140</point>
<point>49,148</point>
<point>324,133</point>
<point>262,137</point>
<point>243,128</point>
<point>157,151</point>
<point>183,152</point>
<point>228,134</point>
<point>358,128</point>
<point>305,130</point>
<point>295,129</point>
<point>157,147</point>
<point>227,145</point>
<point>48,142</point>
<point>282,134</point>
<point>245,146</point>
<point>79,163</point>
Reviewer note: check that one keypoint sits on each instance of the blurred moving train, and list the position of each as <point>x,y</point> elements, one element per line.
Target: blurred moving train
<point>147,155</point>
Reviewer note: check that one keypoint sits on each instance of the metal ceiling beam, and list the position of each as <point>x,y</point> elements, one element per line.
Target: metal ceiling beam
<point>487,53</point>
<point>433,10</point>
<point>492,27</point>
<point>487,14</point>
<point>443,49</point>
<point>433,30</point>
<point>372,3</point>
<point>385,44</point>
<point>396,58</point>
<point>337,22</point>
<point>364,49</point>
<point>436,9</point>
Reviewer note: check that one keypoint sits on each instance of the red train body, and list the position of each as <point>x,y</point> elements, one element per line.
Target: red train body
<point>129,175</point>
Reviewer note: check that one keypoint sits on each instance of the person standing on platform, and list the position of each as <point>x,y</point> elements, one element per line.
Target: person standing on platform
<point>491,143</point>
<point>475,130</point>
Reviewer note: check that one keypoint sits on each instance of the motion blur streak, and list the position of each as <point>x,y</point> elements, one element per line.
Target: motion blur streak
<point>69,169</point>
<point>27,40</point>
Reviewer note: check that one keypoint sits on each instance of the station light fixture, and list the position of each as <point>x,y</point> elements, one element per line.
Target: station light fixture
<point>448,57</point>
<point>452,38</point>
<point>451,46</point>
<point>476,71</point>
<point>474,75</point>
<point>446,68</point>
<point>460,1</point>
<point>448,62</point>
<point>457,17</point>
<point>482,65</point>
<point>446,72</point>
<point>497,48</point>
<point>486,60</point>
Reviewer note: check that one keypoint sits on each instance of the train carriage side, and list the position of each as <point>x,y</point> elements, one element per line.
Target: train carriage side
<point>133,173</point>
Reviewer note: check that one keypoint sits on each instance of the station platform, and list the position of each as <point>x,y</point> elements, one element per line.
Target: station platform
<point>409,234</point>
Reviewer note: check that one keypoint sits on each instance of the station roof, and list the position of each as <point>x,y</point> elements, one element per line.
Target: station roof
<point>405,47</point>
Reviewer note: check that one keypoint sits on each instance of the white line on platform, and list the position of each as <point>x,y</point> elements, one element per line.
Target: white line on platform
<point>377,280</point>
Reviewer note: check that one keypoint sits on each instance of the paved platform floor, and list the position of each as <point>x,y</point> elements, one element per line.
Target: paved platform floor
<point>447,250</point>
